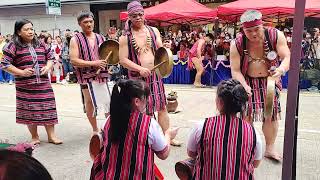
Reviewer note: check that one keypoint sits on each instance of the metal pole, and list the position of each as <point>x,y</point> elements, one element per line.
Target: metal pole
<point>55,21</point>
<point>214,52</point>
<point>55,25</point>
<point>290,134</point>
<point>294,161</point>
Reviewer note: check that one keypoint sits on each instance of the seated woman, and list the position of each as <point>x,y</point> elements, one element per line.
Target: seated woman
<point>183,53</point>
<point>131,138</point>
<point>225,146</point>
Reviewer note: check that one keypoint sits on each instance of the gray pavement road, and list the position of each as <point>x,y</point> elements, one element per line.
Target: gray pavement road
<point>71,160</point>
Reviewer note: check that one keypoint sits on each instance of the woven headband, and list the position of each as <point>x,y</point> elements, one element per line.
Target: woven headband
<point>134,7</point>
<point>250,24</point>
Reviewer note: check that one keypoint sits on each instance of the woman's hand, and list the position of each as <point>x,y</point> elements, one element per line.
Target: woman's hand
<point>27,72</point>
<point>44,70</point>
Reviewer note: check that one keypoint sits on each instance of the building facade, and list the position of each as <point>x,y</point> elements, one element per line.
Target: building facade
<point>106,14</point>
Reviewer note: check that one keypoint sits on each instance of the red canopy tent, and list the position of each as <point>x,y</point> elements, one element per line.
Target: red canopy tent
<point>178,12</point>
<point>269,8</point>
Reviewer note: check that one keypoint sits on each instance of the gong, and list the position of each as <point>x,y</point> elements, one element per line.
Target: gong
<point>107,47</point>
<point>269,100</point>
<point>163,62</point>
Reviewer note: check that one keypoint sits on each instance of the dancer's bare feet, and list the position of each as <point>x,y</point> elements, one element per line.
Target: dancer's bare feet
<point>35,141</point>
<point>274,156</point>
<point>52,138</point>
<point>199,85</point>
<point>55,140</point>
<point>173,134</point>
<point>174,142</point>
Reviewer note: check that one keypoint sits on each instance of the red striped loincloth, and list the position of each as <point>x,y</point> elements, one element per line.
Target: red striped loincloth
<point>36,104</point>
<point>157,100</point>
<point>256,101</point>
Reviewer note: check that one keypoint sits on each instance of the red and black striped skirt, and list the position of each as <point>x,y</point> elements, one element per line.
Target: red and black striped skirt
<point>36,104</point>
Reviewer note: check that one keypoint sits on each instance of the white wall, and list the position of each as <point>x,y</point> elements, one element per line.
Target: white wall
<point>105,17</point>
<point>41,21</point>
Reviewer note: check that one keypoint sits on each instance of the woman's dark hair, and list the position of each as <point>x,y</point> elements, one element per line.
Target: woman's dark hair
<point>304,35</point>
<point>124,91</point>
<point>17,39</point>
<point>41,36</point>
<point>209,35</point>
<point>182,43</point>
<point>233,95</point>
<point>46,38</point>
<point>68,39</point>
<point>20,166</point>
<point>58,37</point>
<point>166,40</point>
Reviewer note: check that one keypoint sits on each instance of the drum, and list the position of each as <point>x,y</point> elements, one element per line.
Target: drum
<point>95,145</point>
<point>184,169</point>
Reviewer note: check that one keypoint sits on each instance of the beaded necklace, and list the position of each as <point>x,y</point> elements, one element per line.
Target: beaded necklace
<point>145,47</point>
<point>265,52</point>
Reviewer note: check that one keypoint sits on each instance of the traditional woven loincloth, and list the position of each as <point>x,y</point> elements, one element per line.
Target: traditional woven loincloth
<point>255,107</point>
<point>157,100</point>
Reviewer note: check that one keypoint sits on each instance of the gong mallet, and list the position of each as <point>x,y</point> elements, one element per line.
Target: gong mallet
<point>158,65</point>
<point>107,58</point>
<point>34,64</point>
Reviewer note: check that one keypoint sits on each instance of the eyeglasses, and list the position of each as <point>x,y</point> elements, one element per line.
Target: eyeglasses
<point>136,15</point>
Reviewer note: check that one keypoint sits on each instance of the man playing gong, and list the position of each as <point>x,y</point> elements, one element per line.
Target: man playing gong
<point>85,57</point>
<point>256,54</point>
<point>137,53</point>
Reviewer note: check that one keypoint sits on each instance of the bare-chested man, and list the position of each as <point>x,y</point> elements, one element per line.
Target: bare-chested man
<point>254,53</point>
<point>136,53</point>
<point>84,56</point>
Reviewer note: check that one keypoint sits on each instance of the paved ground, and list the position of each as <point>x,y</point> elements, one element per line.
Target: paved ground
<point>71,160</point>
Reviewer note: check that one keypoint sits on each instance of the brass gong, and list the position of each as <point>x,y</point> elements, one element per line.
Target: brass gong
<point>163,62</point>
<point>269,100</point>
<point>107,47</point>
